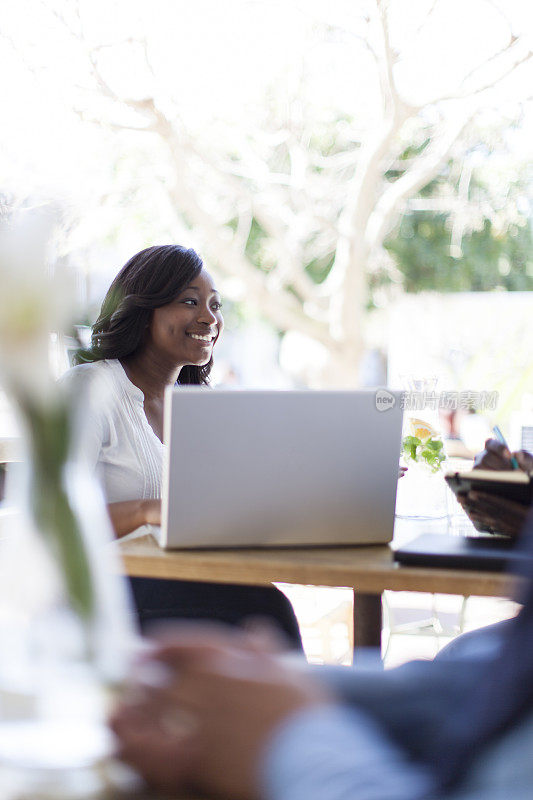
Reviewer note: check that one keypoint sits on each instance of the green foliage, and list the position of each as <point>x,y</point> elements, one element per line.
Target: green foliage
<point>431,452</point>
<point>318,269</point>
<point>411,151</point>
<point>409,444</point>
<point>495,255</point>
<point>50,431</point>
<point>490,259</point>
<point>256,247</point>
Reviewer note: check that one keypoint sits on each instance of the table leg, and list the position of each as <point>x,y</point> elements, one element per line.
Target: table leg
<point>367,620</point>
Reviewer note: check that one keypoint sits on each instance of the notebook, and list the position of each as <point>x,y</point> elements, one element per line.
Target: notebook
<point>513,484</point>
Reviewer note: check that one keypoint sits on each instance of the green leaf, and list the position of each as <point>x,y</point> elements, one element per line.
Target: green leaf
<point>55,518</point>
<point>409,447</point>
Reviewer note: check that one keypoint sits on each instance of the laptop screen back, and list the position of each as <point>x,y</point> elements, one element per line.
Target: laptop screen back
<point>266,468</point>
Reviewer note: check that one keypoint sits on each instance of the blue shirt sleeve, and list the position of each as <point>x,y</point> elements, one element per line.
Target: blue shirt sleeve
<point>333,753</point>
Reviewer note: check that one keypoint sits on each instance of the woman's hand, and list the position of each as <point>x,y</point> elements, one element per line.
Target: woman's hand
<point>151,510</point>
<point>128,515</point>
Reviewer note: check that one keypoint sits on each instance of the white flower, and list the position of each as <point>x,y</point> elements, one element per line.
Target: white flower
<point>33,302</point>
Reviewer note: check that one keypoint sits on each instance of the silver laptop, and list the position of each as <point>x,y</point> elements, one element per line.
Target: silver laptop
<point>270,468</point>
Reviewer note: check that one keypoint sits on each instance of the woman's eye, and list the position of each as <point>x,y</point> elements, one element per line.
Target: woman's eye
<point>190,301</point>
<point>216,306</point>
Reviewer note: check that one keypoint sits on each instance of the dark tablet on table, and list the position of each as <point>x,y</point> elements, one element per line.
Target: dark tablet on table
<point>486,553</point>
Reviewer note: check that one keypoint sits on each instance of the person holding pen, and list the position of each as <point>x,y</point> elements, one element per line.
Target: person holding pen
<point>496,512</point>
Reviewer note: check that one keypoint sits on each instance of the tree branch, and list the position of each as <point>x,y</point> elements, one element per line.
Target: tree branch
<point>118,126</point>
<point>411,182</point>
<point>398,104</point>
<point>459,220</point>
<point>482,87</point>
<point>289,271</point>
<point>222,249</point>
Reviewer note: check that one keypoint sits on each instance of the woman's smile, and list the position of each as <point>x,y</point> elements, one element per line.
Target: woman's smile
<point>187,328</point>
<point>203,337</point>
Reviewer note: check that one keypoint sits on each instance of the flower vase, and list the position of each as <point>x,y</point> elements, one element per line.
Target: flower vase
<point>65,625</point>
<point>422,494</point>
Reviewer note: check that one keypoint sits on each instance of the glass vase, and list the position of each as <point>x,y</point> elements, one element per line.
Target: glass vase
<point>422,494</point>
<point>66,630</point>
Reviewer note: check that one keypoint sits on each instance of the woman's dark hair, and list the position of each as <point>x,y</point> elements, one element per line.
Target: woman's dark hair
<point>149,280</point>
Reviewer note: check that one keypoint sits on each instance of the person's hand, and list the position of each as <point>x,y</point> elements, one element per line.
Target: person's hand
<point>401,472</point>
<point>152,512</point>
<point>497,456</point>
<point>494,513</point>
<point>127,515</point>
<point>491,512</point>
<point>206,729</point>
<point>525,460</point>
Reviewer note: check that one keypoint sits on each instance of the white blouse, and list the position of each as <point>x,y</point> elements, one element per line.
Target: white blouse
<point>116,436</point>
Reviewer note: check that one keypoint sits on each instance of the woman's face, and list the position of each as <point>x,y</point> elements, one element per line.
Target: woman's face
<point>186,329</point>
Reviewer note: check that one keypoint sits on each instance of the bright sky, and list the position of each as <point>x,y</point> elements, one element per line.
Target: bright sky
<point>215,61</point>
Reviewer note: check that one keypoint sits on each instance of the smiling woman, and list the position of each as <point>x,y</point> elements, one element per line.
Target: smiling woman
<point>186,329</point>
<point>158,325</point>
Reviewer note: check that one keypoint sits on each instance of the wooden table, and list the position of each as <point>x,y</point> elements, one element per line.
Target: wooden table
<point>368,570</point>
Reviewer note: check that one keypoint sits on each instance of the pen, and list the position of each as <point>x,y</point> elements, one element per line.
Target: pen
<point>501,438</point>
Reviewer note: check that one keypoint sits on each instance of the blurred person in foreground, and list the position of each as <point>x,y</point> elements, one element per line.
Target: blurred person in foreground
<point>221,713</point>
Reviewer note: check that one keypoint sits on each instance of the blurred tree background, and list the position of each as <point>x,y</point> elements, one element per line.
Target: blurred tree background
<point>324,160</point>
<point>482,244</point>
